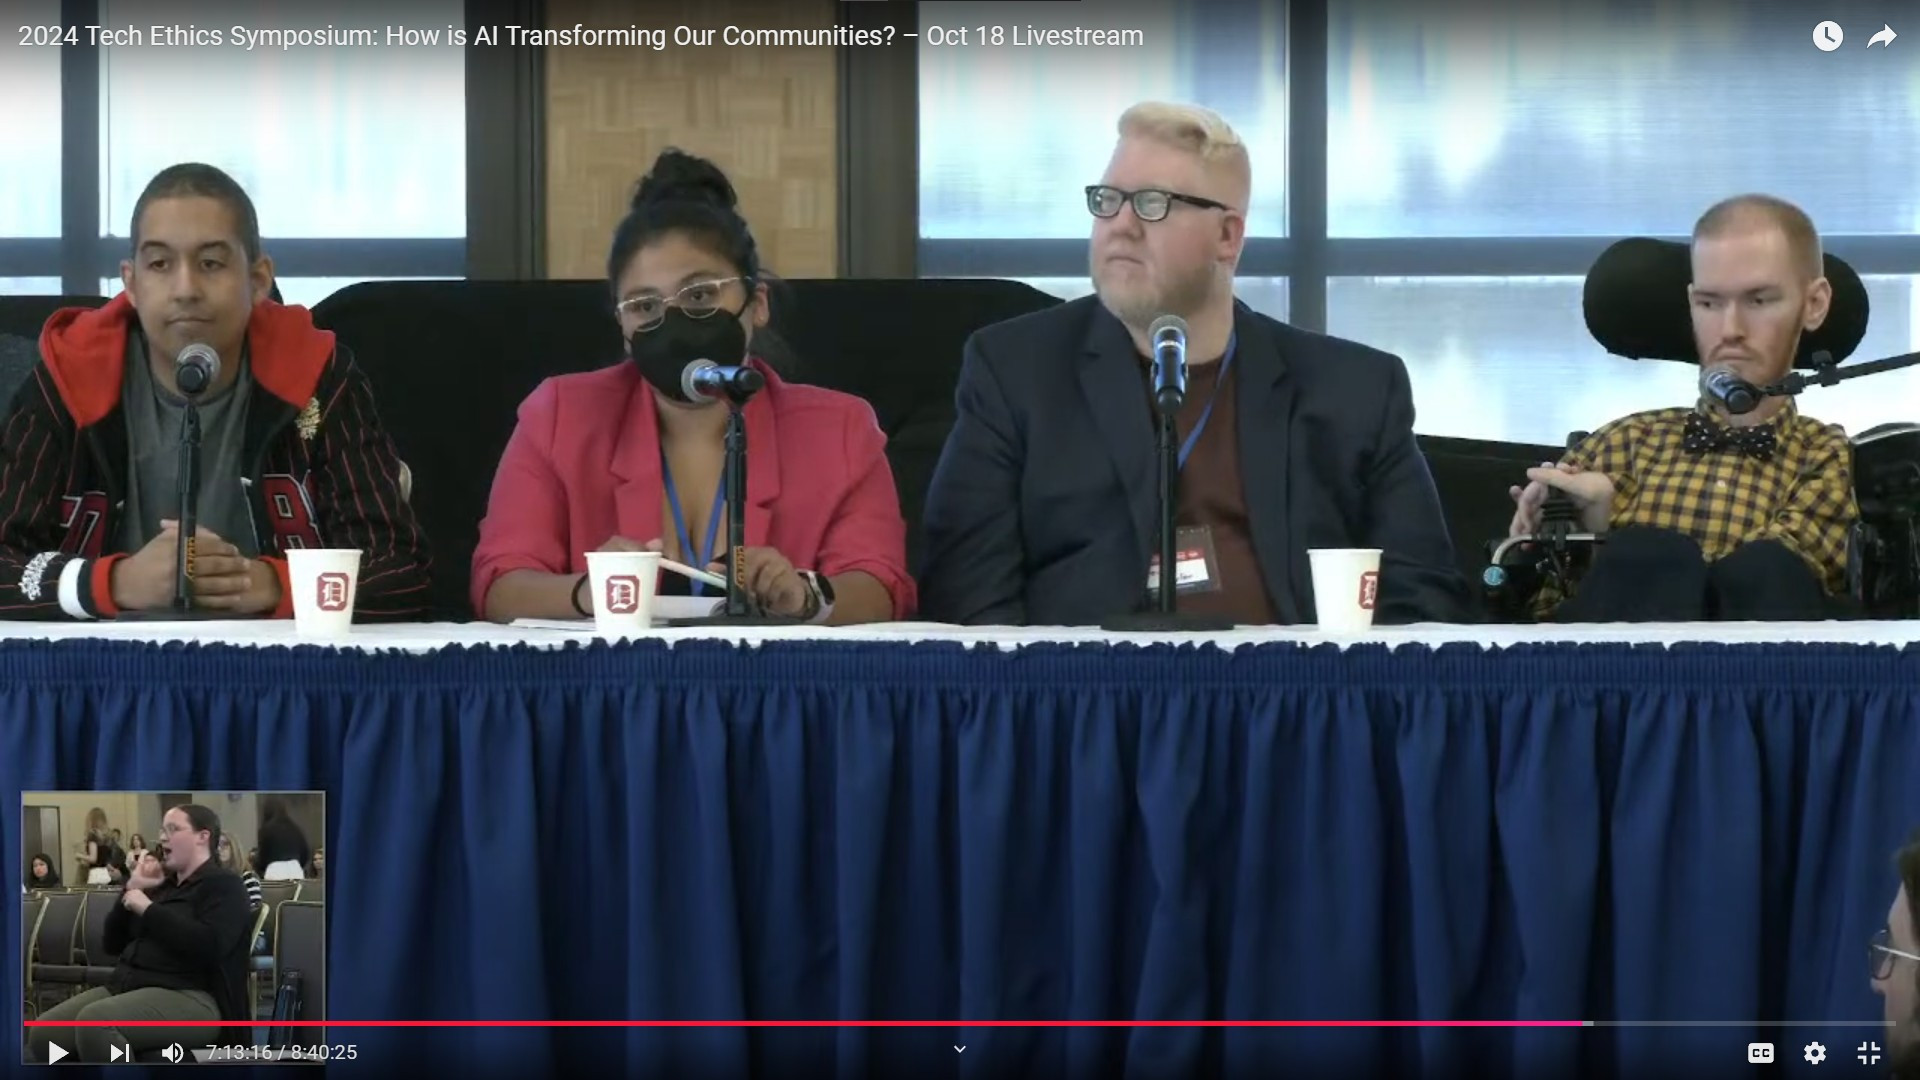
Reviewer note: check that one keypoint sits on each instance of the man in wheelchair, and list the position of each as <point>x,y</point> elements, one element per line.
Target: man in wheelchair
<point>1705,513</point>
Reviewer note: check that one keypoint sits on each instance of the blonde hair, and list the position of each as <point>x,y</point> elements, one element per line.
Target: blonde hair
<point>1803,240</point>
<point>1198,130</point>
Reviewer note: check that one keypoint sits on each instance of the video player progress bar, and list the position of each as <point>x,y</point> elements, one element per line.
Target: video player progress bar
<point>1747,1024</point>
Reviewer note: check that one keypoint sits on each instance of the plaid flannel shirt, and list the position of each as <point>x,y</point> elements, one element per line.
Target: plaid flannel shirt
<point>1801,497</point>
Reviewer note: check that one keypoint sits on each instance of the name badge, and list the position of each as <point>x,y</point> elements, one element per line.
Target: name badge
<point>1195,567</point>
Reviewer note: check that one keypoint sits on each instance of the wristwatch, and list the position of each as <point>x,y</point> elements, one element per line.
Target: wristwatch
<point>819,599</point>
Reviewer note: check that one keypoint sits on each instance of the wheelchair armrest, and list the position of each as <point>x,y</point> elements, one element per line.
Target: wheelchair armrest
<point>1509,585</point>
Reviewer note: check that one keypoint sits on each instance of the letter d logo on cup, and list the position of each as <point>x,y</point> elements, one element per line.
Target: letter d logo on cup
<point>324,581</point>
<point>1346,587</point>
<point>332,591</point>
<point>623,594</point>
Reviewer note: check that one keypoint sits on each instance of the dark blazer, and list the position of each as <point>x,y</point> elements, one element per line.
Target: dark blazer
<point>1043,509</point>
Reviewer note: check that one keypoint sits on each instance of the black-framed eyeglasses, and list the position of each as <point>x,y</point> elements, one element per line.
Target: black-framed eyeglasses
<point>697,301</point>
<point>1149,204</point>
<point>1881,954</point>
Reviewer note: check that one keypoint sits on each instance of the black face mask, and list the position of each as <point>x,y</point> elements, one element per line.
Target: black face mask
<point>664,352</point>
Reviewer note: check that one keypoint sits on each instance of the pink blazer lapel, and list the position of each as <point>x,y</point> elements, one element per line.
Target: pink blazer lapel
<point>636,470</point>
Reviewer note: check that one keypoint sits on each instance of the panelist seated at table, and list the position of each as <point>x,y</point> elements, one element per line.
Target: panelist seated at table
<point>1706,514</point>
<point>1044,507</point>
<point>624,458</point>
<point>292,452</point>
<point>180,934</point>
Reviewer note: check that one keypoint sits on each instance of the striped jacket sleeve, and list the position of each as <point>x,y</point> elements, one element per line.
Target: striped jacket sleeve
<point>358,501</point>
<point>37,580</point>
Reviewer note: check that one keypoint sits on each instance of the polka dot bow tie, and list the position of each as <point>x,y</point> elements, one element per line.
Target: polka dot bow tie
<point>1704,436</point>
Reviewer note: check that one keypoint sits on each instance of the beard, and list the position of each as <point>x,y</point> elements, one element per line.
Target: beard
<point>1139,300</point>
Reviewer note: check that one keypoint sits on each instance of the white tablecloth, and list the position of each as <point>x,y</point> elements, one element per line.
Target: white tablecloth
<point>425,637</point>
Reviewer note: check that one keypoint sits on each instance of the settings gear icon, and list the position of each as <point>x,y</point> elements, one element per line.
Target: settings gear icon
<point>1814,1053</point>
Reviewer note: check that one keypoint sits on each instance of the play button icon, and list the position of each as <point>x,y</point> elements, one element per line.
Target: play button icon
<point>116,1053</point>
<point>55,1052</point>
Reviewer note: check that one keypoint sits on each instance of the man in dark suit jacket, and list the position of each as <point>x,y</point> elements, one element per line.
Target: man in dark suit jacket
<point>1044,506</point>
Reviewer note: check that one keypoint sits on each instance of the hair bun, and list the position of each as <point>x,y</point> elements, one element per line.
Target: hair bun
<point>678,176</point>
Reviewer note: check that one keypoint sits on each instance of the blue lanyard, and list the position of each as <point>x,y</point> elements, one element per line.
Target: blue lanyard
<point>1206,414</point>
<point>697,588</point>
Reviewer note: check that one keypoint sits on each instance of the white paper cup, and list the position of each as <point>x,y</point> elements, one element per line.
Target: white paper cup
<point>1346,585</point>
<point>325,583</point>
<point>623,586</point>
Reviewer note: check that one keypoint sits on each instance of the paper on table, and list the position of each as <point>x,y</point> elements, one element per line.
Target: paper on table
<point>664,608</point>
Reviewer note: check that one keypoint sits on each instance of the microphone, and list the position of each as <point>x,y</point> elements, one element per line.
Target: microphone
<point>708,380</point>
<point>1168,336</point>
<point>1730,390</point>
<point>195,369</point>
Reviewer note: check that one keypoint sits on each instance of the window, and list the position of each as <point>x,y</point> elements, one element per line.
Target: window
<point>1576,118</point>
<point>1510,124</point>
<point>333,141</point>
<point>1008,142</point>
<point>355,155</point>
<point>1477,159</point>
<point>30,152</point>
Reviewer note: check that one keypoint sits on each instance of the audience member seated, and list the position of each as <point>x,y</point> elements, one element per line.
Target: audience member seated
<point>229,859</point>
<point>625,458</point>
<point>41,873</point>
<point>1044,507</point>
<point>292,452</point>
<point>283,852</point>
<point>180,932</point>
<point>1707,514</point>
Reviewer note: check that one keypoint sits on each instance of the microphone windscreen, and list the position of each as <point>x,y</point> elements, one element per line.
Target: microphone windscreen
<point>196,367</point>
<point>1636,305</point>
<point>1165,323</point>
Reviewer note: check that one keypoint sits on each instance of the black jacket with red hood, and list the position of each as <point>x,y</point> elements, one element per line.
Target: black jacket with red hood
<point>321,471</point>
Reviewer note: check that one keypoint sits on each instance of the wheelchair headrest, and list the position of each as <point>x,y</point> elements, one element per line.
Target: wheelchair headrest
<point>1636,305</point>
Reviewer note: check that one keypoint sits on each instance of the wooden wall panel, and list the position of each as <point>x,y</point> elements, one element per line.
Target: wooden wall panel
<point>766,115</point>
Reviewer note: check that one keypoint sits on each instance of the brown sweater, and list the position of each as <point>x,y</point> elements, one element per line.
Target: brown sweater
<point>1211,494</point>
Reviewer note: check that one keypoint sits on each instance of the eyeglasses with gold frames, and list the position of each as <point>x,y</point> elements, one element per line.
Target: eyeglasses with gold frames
<point>697,300</point>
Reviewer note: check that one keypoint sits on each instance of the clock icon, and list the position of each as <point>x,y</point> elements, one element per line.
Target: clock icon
<point>1827,36</point>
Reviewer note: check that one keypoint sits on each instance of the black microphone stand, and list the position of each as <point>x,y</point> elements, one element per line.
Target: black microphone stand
<point>182,609</point>
<point>739,608</point>
<point>1165,618</point>
<point>1827,372</point>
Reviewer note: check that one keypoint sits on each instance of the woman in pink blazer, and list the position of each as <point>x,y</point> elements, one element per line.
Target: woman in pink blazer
<point>623,459</point>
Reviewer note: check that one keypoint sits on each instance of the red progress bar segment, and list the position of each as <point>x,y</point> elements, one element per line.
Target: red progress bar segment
<point>845,1023</point>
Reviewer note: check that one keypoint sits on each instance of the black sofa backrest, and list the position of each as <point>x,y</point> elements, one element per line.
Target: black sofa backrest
<point>452,360</point>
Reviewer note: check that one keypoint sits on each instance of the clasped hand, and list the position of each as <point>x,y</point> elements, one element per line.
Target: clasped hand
<point>223,579</point>
<point>770,578</point>
<point>1591,492</point>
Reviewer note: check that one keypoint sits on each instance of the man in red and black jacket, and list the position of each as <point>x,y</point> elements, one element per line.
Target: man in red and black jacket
<point>292,450</point>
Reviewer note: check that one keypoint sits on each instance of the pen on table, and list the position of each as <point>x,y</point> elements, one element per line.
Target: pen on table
<point>684,570</point>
